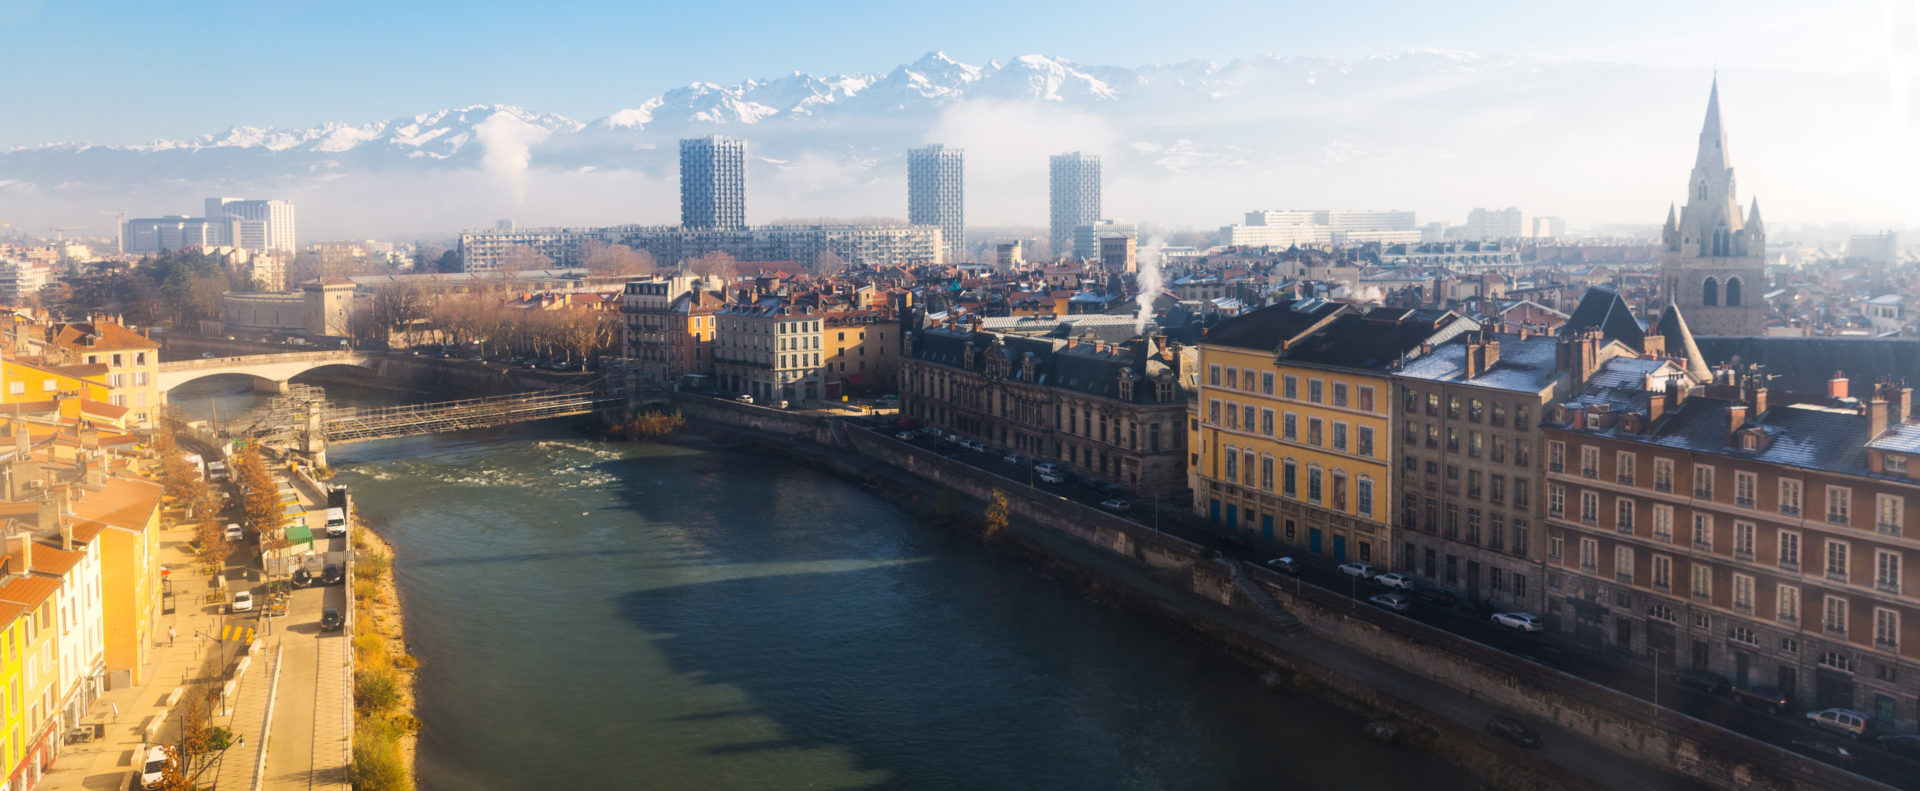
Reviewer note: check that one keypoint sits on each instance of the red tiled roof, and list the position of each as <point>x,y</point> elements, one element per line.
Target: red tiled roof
<point>30,591</point>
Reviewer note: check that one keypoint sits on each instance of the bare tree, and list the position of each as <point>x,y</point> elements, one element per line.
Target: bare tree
<point>716,267</point>
<point>615,259</point>
<point>525,257</point>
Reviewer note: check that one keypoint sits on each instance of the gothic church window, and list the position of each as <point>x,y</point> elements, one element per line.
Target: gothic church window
<point>1733,292</point>
<point>1710,292</point>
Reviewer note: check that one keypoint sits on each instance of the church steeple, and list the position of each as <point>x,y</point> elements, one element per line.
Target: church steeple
<point>1713,138</point>
<point>1712,218</point>
<point>1753,217</point>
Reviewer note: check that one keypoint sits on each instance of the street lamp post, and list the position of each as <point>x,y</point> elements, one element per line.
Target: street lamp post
<point>1656,684</point>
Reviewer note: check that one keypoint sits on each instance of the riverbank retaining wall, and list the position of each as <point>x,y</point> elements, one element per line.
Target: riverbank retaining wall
<point>1622,723</point>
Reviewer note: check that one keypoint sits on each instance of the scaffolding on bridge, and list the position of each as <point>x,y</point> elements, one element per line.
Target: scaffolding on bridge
<point>353,425</point>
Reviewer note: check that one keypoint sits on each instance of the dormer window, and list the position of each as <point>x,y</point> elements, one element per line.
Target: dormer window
<point>1749,442</point>
<point>1126,387</point>
<point>1165,388</point>
<point>1894,465</point>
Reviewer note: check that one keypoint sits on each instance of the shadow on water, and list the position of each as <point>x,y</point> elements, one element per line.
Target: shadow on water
<point>965,671</point>
<point>597,615</point>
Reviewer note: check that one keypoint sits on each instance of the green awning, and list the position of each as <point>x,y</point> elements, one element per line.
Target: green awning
<point>300,534</point>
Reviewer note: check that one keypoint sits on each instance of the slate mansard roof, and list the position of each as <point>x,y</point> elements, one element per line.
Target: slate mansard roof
<point>1080,368</point>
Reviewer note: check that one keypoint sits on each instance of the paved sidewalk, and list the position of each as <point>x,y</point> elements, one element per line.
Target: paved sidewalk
<point>109,762</point>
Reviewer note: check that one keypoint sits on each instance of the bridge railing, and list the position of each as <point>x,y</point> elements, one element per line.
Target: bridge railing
<point>261,359</point>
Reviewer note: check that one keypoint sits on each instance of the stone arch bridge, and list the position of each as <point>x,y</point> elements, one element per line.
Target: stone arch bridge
<point>269,371</point>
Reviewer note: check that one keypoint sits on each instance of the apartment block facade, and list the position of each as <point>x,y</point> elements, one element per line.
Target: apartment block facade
<point>1107,411</point>
<point>936,194</point>
<point>1763,536</point>
<point>1291,437</point>
<point>1470,467</point>
<point>713,182</point>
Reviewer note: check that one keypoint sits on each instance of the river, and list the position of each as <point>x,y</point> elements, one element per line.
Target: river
<point>687,616</point>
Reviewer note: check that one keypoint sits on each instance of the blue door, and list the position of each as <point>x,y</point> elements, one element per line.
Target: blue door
<point>1339,547</point>
<point>1231,513</point>
<point>1213,511</point>
<point>1313,540</point>
<point>1266,526</point>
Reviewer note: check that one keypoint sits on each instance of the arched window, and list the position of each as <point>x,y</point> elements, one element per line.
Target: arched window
<point>1703,190</point>
<point>1733,292</point>
<point>1710,292</point>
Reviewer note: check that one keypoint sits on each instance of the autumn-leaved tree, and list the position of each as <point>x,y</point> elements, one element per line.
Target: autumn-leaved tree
<point>260,498</point>
<point>996,516</point>
<point>199,748</point>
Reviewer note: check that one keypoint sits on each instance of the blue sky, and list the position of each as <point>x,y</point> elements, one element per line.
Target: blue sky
<point>123,72</point>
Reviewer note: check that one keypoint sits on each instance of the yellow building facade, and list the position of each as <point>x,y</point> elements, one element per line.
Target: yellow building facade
<point>1291,431</point>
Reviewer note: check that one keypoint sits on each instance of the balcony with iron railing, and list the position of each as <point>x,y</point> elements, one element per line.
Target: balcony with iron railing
<point>1836,575</point>
<point>1886,585</point>
<point>1888,528</point>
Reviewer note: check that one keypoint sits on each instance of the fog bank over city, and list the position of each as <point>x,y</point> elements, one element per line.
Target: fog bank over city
<point>1186,144</point>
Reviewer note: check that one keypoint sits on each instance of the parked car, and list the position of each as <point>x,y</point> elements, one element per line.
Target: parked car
<point>1825,749</point>
<point>1525,622</point>
<point>1906,744</point>
<point>1052,477</point>
<point>1766,696</point>
<point>1704,680</point>
<point>1284,565</point>
<point>1439,597</point>
<point>1048,468</point>
<point>744,398</point>
<point>1116,505</point>
<point>783,404</point>
<point>1011,458</point>
<point>234,533</point>
<point>330,620</point>
<point>1847,721</point>
<point>904,435</point>
<point>1392,601</point>
<point>333,574</point>
<point>1513,730</point>
<point>242,602</point>
<point>1395,580</point>
<point>152,768</point>
<point>1360,570</point>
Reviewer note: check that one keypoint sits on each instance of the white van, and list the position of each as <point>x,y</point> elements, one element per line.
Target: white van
<point>336,521</point>
<point>216,471</point>
<point>1847,721</point>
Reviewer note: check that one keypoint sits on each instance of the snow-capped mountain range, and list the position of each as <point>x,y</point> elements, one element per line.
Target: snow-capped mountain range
<point>1238,135</point>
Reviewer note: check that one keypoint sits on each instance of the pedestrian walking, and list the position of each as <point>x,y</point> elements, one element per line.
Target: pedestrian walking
<point>170,636</point>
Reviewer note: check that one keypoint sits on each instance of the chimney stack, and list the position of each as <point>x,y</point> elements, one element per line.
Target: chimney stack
<point>1837,386</point>
<point>1759,401</point>
<point>19,553</point>
<point>1876,417</point>
<point>1736,418</point>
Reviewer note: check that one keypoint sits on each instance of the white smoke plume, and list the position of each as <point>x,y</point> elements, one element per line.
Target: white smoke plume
<point>507,142</point>
<point>1150,281</point>
<point>1371,295</point>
